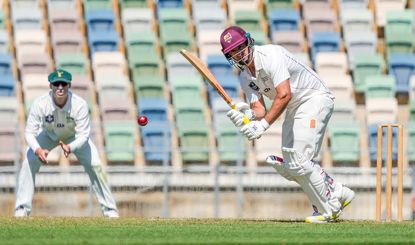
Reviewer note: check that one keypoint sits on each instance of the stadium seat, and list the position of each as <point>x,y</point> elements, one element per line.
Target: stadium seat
<point>344,111</point>
<point>133,4</point>
<point>400,21</point>
<point>9,110</point>
<point>155,109</point>
<point>112,86</point>
<point>185,91</point>
<point>207,41</point>
<point>141,43</point>
<point>340,85</point>
<point>178,66</point>
<point>99,41</point>
<point>410,142</point>
<point>209,18</point>
<point>25,3</point>
<point>9,142</point>
<point>112,63</point>
<point>33,89</point>
<point>384,6</point>
<point>67,42</point>
<point>7,85</point>
<point>75,63</point>
<point>399,43</point>
<point>64,20</point>
<point>3,19</point>
<point>345,142</point>
<point>284,20</point>
<point>6,64</point>
<point>39,63</point>
<point>381,110</point>
<point>380,86</point>
<point>97,4</point>
<point>149,86</point>
<point>219,65</point>
<point>324,42</point>
<point>293,41</point>
<point>27,19</point>
<point>30,41</point>
<point>4,41</point>
<point>331,63</point>
<point>278,4</point>
<point>402,67</point>
<point>118,110</point>
<point>60,5</point>
<point>219,109</point>
<point>84,87</point>
<point>320,21</point>
<point>231,145</point>
<point>357,20</point>
<point>360,42</point>
<point>145,65</point>
<point>194,143</point>
<point>352,4</point>
<point>170,4</point>
<point>119,141</point>
<point>137,20</point>
<point>157,145</point>
<point>364,65</point>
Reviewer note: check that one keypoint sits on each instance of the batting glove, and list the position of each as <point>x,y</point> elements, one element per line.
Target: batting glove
<point>255,129</point>
<point>237,115</point>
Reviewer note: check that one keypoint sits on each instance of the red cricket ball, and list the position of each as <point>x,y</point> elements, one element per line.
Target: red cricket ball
<point>142,120</point>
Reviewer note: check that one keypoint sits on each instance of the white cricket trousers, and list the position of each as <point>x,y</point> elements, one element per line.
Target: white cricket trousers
<point>87,156</point>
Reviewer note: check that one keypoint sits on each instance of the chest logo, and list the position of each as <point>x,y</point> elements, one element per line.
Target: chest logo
<point>49,118</point>
<point>253,86</point>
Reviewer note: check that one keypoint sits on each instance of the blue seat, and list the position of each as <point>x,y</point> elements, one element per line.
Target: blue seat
<point>170,4</point>
<point>229,83</point>
<point>284,20</point>
<point>157,142</point>
<point>402,66</point>
<point>324,42</point>
<point>373,143</point>
<point>103,41</point>
<point>5,64</point>
<point>219,65</point>
<point>100,20</point>
<point>154,109</point>
<point>7,85</point>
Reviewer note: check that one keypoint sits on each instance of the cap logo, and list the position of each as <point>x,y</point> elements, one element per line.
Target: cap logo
<point>59,73</point>
<point>227,38</point>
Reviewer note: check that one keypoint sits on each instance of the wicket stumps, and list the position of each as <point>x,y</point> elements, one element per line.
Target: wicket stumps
<point>388,188</point>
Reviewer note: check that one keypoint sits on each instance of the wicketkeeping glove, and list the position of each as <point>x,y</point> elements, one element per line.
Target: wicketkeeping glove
<point>237,115</point>
<point>255,129</point>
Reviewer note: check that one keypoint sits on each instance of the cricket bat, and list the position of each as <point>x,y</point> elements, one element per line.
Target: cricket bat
<point>208,75</point>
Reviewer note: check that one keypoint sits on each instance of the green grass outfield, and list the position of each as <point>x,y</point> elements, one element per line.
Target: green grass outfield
<point>40,230</point>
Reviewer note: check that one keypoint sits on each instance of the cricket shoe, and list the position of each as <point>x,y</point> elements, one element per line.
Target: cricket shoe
<point>111,213</point>
<point>346,197</point>
<point>20,212</point>
<point>318,219</point>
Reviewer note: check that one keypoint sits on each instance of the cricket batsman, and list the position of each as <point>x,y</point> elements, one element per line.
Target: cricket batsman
<point>272,71</point>
<point>60,117</point>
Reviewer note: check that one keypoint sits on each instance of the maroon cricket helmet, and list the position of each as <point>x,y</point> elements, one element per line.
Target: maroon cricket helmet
<point>232,37</point>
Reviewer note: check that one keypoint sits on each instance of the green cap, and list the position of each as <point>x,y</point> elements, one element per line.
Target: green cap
<point>60,75</point>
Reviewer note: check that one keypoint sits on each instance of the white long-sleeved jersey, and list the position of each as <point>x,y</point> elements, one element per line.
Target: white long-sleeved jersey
<point>274,64</point>
<point>64,123</point>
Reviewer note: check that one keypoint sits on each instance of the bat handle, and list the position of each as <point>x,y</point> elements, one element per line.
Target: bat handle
<point>246,119</point>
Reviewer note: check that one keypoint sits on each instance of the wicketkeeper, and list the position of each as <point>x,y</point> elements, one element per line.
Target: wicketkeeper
<point>272,71</point>
<point>60,117</point>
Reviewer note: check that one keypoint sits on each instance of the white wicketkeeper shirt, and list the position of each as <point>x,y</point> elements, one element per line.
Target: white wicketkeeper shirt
<point>70,121</point>
<point>274,64</point>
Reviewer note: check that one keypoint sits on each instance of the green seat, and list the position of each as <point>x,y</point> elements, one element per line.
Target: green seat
<point>248,19</point>
<point>191,114</point>
<point>194,143</point>
<point>149,86</point>
<point>345,142</point>
<point>141,43</point>
<point>133,3</point>
<point>2,19</point>
<point>75,63</point>
<point>174,30</point>
<point>231,145</point>
<point>145,65</point>
<point>400,21</point>
<point>380,86</point>
<point>279,4</point>
<point>119,141</point>
<point>411,142</point>
<point>365,65</point>
<point>187,91</point>
<point>412,110</point>
<point>97,4</point>
<point>399,42</point>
